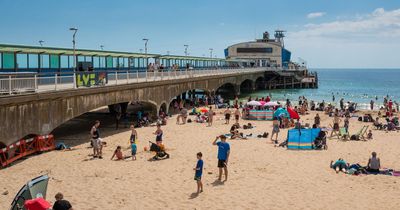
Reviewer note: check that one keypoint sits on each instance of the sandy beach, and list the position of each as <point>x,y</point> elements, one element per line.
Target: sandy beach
<point>262,176</point>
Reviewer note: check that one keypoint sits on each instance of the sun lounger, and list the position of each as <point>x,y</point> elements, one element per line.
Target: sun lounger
<point>361,133</point>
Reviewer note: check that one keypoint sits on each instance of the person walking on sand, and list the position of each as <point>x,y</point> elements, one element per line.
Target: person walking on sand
<point>317,120</point>
<point>227,115</point>
<point>275,130</point>
<point>223,155</point>
<point>336,121</point>
<point>237,115</point>
<point>199,172</point>
<point>210,117</point>
<point>96,140</point>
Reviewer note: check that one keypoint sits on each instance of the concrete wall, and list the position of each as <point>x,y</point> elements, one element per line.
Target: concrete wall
<point>41,113</point>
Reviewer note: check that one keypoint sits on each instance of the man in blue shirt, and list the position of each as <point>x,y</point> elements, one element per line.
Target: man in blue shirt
<point>223,155</point>
<point>199,172</point>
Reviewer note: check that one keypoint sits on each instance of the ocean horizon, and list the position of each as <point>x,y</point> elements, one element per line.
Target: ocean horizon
<point>359,85</point>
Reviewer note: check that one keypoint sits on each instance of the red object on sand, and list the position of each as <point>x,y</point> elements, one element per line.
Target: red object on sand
<point>37,204</point>
<point>293,114</point>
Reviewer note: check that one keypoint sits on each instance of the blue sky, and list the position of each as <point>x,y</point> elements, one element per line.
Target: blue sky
<point>326,33</point>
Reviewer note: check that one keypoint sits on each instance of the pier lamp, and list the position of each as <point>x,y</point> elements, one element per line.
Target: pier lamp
<point>145,50</point>
<point>186,49</point>
<point>102,47</point>
<point>41,43</point>
<point>211,51</point>
<point>73,44</point>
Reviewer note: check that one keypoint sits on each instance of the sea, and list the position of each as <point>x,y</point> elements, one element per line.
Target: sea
<point>353,85</point>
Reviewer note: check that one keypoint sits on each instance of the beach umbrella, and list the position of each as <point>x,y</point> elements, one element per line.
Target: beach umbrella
<point>271,103</point>
<point>281,112</point>
<point>293,114</point>
<point>204,110</point>
<point>254,103</point>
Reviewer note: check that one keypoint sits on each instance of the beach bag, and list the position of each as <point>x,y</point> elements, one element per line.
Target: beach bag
<point>360,119</point>
<point>354,137</point>
<point>245,127</point>
<point>265,135</point>
<point>189,120</point>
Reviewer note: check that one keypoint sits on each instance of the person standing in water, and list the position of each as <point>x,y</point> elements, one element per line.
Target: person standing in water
<point>372,104</point>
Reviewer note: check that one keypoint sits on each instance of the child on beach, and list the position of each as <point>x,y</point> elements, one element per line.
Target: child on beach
<point>199,172</point>
<point>159,134</point>
<point>118,154</point>
<point>369,135</point>
<point>132,142</point>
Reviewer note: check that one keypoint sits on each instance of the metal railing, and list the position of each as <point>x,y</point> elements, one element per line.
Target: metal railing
<point>20,83</point>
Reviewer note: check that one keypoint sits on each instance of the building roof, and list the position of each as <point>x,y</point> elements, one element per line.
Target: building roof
<point>86,52</point>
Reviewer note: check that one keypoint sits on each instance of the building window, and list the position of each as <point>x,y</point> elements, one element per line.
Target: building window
<point>33,61</point>
<point>254,50</point>
<point>22,61</point>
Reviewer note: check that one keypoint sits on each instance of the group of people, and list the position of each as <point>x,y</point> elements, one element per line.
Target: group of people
<point>373,166</point>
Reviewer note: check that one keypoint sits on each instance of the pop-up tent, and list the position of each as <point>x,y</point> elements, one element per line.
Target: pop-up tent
<point>36,188</point>
<point>281,112</point>
<point>302,138</point>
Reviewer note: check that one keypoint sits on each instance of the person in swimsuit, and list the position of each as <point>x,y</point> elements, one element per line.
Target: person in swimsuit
<point>237,115</point>
<point>374,164</point>
<point>96,140</point>
<point>275,130</point>
<point>227,115</point>
<point>210,117</point>
<point>336,121</point>
<point>118,154</point>
<point>159,134</point>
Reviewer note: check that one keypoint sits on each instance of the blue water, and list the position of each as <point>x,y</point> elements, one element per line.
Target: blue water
<point>356,85</point>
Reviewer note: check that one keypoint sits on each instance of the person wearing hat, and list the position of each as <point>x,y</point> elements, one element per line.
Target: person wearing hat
<point>223,155</point>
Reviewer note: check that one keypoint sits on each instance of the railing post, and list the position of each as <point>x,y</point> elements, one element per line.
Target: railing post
<point>9,85</point>
<point>146,75</point>
<point>137,76</point>
<point>116,77</point>
<point>162,74</point>
<point>36,85</point>
<point>127,77</point>
<point>169,74</point>
<point>74,80</point>
<point>55,82</point>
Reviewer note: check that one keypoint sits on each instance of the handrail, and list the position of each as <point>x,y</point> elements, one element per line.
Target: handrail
<point>31,83</point>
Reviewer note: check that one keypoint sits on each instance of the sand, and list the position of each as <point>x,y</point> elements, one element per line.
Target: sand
<point>261,175</point>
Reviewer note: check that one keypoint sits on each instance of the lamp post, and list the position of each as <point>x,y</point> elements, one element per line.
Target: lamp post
<point>186,49</point>
<point>73,44</point>
<point>102,47</point>
<point>145,50</point>
<point>41,43</point>
<point>211,51</point>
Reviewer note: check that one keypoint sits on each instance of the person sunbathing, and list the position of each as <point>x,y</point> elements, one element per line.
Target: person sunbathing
<point>374,164</point>
<point>339,165</point>
<point>237,135</point>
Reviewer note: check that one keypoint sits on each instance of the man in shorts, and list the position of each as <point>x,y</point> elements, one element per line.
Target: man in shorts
<point>227,115</point>
<point>96,140</point>
<point>223,155</point>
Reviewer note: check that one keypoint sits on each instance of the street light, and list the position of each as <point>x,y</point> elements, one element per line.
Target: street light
<point>41,43</point>
<point>102,47</point>
<point>211,51</point>
<point>73,44</point>
<point>186,49</point>
<point>145,50</point>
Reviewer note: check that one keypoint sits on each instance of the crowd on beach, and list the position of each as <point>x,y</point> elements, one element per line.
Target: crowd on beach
<point>202,109</point>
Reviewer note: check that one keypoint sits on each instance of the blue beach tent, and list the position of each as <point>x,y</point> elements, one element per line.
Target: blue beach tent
<point>281,112</point>
<point>302,138</point>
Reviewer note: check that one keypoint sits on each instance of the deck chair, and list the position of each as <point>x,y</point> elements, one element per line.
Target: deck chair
<point>344,134</point>
<point>360,135</point>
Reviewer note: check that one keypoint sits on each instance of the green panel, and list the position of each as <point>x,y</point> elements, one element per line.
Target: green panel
<point>8,61</point>
<point>54,61</point>
<point>109,62</point>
